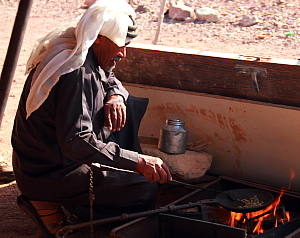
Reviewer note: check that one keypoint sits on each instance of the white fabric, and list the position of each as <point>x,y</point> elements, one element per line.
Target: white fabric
<point>65,49</point>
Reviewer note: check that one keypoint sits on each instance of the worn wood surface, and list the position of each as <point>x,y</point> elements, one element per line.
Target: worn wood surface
<point>249,139</point>
<point>212,73</point>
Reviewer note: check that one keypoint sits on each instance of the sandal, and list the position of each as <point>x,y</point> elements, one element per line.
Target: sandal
<point>42,217</point>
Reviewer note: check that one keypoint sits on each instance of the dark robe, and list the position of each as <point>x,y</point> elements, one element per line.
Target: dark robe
<point>53,148</point>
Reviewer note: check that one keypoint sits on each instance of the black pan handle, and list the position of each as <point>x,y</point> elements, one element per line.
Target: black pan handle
<point>231,195</point>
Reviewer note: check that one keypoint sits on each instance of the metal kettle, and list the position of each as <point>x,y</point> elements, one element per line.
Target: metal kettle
<point>173,136</point>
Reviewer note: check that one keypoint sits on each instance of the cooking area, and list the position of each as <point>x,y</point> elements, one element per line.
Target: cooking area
<point>232,147</point>
<point>245,131</point>
<point>238,151</point>
<point>240,176</point>
<point>279,219</point>
<point>211,207</point>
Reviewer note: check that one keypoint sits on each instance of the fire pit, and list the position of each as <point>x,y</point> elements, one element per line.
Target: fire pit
<point>280,219</point>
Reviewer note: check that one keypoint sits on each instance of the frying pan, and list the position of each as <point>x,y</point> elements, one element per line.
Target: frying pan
<point>232,199</point>
<point>229,200</point>
<point>265,199</point>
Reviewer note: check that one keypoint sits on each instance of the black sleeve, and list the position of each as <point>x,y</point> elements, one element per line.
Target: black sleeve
<point>113,86</point>
<point>80,98</point>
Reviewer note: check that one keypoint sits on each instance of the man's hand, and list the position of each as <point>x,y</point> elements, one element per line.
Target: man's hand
<point>153,168</point>
<point>115,113</point>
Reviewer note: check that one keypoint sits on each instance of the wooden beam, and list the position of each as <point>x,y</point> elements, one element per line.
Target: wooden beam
<point>212,73</point>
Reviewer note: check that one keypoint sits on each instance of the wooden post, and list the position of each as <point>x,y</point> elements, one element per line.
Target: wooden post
<point>13,51</point>
<point>160,19</point>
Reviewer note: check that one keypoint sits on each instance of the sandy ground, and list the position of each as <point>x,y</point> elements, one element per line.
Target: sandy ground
<point>265,39</point>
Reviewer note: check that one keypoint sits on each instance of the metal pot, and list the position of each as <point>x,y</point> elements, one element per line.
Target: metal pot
<point>173,136</point>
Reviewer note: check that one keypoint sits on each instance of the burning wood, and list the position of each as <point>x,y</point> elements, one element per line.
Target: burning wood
<point>259,217</point>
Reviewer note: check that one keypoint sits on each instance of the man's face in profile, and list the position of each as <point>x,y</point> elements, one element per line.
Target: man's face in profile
<point>108,53</point>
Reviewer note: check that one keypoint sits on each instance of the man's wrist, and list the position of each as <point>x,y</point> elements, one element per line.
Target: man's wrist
<point>116,97</point>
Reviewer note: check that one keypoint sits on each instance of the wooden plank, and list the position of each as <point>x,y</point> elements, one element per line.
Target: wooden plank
<point>211,73</point>
<point>251,140</point>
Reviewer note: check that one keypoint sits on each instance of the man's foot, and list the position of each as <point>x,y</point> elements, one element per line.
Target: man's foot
<point>51,214</point>
<point>48,216</point>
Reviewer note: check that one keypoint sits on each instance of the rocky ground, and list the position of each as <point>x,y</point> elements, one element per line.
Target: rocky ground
<point>276,35</point>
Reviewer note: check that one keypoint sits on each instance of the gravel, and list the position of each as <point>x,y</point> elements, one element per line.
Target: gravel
<point>268,38</point>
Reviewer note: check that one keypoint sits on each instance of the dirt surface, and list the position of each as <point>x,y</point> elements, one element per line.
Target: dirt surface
<point>268,38</point>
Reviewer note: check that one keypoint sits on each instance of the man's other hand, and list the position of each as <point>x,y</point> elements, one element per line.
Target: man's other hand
<point>115,113</point>
<point>153,168</point>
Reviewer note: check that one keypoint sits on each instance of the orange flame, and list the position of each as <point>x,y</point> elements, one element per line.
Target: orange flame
<point>237,217</point>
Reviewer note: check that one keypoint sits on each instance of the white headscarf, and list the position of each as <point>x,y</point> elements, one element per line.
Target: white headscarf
<point>65,49</point>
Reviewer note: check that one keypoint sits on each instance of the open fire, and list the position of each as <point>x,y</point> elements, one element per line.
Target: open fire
<point>254,222</point>
<point>280,219</point>
<point>260,221</point>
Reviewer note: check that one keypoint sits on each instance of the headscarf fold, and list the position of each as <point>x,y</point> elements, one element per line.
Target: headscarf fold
<point>65,49</point>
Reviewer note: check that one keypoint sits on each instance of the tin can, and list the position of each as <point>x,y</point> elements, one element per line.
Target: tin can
<point>173,136</point>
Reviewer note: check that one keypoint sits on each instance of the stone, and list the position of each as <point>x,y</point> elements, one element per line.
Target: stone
<point>142,9</point>
<point>187,167</point>
<point>249,21</point>
<point>88,2</point>
<point>180,11</point>
<point>280,1</point>
<point>207,14</point>
<point>189,20</point>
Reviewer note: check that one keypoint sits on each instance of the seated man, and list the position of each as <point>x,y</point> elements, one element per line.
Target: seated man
<point>73,112</point>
